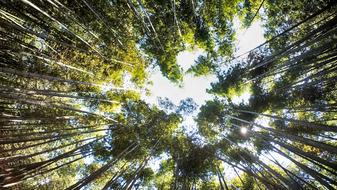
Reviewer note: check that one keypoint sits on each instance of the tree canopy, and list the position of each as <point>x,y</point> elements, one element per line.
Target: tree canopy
<point>73,74</point>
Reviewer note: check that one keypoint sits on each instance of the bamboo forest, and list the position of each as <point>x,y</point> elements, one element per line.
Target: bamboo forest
<point>94,94</point>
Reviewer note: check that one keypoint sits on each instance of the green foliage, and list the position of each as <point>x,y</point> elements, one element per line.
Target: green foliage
<point>203,66</point>
<point>72,74</point>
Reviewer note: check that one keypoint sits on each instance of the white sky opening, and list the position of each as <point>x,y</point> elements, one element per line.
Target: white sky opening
<point>247,39</point>
<point>193,87</point>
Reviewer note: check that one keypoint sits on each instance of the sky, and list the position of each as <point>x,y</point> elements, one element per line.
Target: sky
<point>195,87</point>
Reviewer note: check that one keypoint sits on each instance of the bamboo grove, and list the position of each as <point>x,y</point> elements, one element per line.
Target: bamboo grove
<point>73,72</point>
